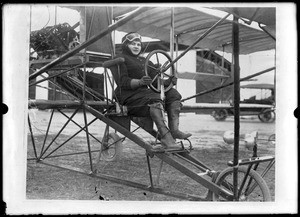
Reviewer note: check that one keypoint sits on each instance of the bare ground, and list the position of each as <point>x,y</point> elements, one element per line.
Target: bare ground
<point>45,182</point>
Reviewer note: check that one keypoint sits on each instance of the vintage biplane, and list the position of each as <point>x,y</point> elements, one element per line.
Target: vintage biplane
<point>64,57</point>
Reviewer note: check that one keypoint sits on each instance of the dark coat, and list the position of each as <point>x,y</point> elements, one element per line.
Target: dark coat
<point>137,100</point>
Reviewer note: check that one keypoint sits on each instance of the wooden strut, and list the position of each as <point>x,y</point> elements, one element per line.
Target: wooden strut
<point>197,41</point>
<point>166,157</point>
<point>128,183</point>
<point>163,156</point>
<point>79,126</point>
<point>48,127</point>
<point>32,137</point>
<point>229,84</point>
<point>41,156</point>
<point>57,136</point>
<point>236,90</point>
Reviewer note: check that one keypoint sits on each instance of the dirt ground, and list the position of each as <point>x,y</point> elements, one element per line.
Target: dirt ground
<point>45,182</point>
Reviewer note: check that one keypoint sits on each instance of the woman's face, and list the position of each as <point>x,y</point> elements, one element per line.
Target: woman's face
<point>135,47</point>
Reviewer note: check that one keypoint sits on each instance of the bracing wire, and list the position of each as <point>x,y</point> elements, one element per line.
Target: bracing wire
<point>48,17</point>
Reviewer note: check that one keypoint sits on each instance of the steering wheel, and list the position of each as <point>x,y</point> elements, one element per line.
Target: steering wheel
<point>158,60</point>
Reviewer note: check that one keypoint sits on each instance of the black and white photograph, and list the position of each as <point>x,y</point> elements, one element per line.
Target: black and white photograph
<point>150,108</point>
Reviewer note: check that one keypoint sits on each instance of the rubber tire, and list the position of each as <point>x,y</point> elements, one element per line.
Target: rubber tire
<point>114,150</point>
<point>256,178</point>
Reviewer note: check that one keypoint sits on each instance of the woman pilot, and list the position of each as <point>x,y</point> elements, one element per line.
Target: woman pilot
<point>133,92</point>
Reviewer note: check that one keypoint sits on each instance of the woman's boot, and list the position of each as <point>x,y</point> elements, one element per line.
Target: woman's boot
<point>173,111</point>
<point>167,139</point>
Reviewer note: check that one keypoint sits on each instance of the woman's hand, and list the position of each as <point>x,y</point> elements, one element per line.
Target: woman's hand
<point>145,80</point>
<point>172,79</point>
<point>136,83</point>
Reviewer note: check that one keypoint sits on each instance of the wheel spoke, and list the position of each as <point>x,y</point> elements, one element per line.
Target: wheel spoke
<point>156,77</point>
<point>156,54</point>
<point>166,75</point>
<point>111,147</point>
<point>251,186</point>
<point>152,67</point>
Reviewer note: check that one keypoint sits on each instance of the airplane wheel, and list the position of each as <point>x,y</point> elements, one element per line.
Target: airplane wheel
<point>111,147</point>
<point>160,60</point>
<point>253,189</point>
